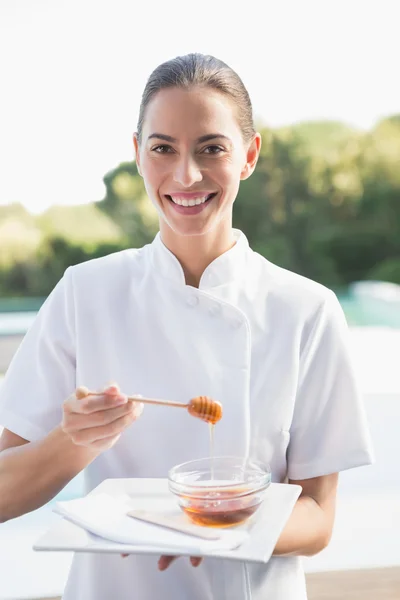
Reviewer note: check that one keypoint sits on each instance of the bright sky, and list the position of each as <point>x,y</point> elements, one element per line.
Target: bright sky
<point>72,74</point>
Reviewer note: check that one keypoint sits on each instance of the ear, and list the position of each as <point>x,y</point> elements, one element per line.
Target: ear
<point>252,154</point>
<point>137,153</point>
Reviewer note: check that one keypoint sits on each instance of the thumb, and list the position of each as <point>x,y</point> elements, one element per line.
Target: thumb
<point>138,406</point>
<point>111,388</point>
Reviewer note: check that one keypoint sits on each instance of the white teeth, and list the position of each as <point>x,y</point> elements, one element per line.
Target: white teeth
<point>191,202</point>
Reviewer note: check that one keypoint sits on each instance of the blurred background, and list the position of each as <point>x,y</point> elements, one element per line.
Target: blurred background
<point>324,201</point>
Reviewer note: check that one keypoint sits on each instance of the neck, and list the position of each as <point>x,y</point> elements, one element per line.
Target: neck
<point>196,252</point>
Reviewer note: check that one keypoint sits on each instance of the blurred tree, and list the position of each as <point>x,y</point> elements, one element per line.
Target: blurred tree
<point>20,237</point>
<point>126,202</point>
<point>83,224</point>
<point>320,138</point>
<point>387,270</point>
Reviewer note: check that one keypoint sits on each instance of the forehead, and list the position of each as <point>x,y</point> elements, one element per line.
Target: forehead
<point>190,113</point>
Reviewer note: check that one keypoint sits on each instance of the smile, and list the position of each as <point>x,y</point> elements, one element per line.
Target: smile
<point>189,202</point>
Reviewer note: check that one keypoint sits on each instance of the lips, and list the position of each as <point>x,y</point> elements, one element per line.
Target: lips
<point>192,206</point>
<point>189,195</point>
<point>190,200</point>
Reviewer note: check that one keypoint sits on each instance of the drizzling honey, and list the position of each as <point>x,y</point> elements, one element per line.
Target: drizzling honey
<point>217,505</point>
<point>212,431</point>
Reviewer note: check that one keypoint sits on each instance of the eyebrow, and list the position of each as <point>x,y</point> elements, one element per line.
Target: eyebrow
<point>200,140</point>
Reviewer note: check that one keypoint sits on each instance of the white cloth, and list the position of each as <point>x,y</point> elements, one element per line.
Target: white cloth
<point>269,344</point>
<point>106,516</point>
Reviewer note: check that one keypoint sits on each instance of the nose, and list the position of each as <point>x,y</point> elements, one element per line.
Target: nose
<point>187,172</point>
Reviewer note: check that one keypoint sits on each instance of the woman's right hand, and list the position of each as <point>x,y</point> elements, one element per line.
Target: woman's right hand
<point>96,421</point>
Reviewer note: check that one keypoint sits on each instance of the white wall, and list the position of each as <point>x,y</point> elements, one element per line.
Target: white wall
<point>367,526</point>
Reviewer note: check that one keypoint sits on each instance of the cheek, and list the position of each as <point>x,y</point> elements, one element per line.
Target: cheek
<point>229,176</point>
<point>148,170</point>
<point>151,186</point>
<point>151,174</point>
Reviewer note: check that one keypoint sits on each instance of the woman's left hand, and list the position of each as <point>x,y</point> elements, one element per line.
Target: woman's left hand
<point>165,561</point>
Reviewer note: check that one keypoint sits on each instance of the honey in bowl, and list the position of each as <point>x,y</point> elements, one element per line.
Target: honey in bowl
<point>221,509</point>
<point>221,491</point>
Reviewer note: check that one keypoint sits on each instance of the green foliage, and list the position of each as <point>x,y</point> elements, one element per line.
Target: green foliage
<point>39,275</point>
<point>387,270</point>
<point>19,235</point>
<point>321,136</point>
<point>85,224</point>
<point>126,203</point>
<point>324,201</point>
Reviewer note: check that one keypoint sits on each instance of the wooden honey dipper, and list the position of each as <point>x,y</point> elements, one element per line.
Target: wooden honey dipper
<point>202,407</point>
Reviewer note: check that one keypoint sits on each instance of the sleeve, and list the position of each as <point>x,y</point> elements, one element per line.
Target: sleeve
<point>329,431</point>
<point>42,372</point>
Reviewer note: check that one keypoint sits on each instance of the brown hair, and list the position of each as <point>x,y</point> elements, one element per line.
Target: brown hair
<point>200,70</point>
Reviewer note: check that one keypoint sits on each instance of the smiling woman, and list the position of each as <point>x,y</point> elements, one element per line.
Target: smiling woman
<point>192,153</point>
<point>196,312</point>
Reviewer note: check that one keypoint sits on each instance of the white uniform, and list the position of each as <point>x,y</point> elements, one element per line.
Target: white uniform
<point>267,343</point>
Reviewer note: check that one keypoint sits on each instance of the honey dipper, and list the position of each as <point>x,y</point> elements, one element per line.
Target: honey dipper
<point>202,407</point>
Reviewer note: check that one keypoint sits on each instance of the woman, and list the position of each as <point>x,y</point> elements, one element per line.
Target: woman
<point>195,312</point>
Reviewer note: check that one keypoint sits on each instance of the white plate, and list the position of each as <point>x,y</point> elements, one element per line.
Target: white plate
<point>264,528</point>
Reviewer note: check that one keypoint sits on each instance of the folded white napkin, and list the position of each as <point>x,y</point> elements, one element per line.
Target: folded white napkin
<point>106,516</point>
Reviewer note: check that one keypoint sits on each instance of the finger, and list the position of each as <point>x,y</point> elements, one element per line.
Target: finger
<point>137,408</point>
<point>93,403</point>
<point>79,421</point>
<point>91,434</point>
<point>82,391</point>
<point>136,404</point>
<point>196,560</point>
<point>111,388</point>
<point>109,397</point>
<point>165,562</point>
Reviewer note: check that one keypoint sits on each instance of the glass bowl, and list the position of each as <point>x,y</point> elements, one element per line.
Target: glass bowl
<point>219,492</point>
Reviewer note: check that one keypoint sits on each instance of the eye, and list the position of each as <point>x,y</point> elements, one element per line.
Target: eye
<point>213,150</point>
<point>162,149</point>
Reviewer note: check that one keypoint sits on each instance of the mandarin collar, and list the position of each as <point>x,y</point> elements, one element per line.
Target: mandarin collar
<point>225,268</point>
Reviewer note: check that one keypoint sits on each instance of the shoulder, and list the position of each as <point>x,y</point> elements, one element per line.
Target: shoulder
<point>115,269</point>
<point>291,294</point>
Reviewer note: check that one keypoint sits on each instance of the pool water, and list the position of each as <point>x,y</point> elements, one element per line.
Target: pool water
<point>370,311</point>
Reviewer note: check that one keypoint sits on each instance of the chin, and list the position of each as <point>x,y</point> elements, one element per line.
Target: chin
<point>191,231</point>
<point>187,227</point>
<point>193,226</point>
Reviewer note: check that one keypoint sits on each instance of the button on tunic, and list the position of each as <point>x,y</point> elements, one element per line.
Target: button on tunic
<point>267,343</point>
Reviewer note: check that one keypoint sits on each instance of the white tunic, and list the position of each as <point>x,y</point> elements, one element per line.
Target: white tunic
<point>269,344</point>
